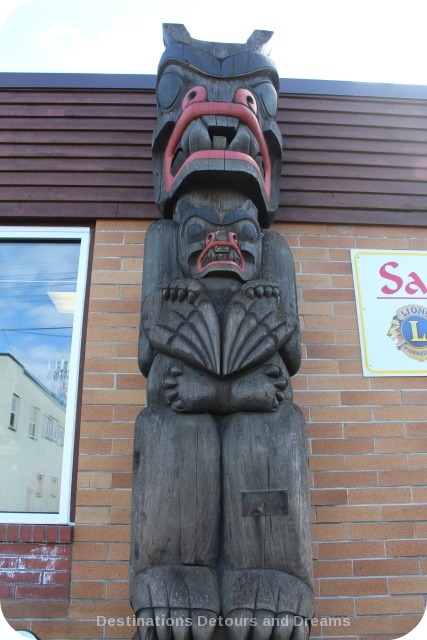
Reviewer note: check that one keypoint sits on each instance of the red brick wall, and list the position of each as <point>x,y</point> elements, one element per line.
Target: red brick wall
<point>366,436</point>
<point>35,565</point>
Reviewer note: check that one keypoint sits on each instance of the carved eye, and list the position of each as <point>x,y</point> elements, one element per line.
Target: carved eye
<point>268,96</point>
<point>194,230</point>
<point>168,90</point>
<point>249,231</point>
<point>246,97</point>
<point>196,94</point>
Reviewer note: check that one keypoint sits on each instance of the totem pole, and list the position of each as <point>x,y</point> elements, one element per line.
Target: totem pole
<point>220,510</point>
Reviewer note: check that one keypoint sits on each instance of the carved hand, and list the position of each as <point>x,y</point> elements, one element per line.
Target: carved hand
<point>259,390</point>
<point>181,290</point>
<point>190,390</point>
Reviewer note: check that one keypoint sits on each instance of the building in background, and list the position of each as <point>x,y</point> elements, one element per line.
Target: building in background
<point>31,441</point>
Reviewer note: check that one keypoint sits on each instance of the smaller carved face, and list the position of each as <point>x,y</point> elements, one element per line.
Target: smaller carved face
<point>209,246</point>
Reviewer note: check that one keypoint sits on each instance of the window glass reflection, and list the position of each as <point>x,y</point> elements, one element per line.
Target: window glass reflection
<point>37,293</point>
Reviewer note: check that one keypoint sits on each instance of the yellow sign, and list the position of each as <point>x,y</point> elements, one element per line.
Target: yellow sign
<point>391,297</point>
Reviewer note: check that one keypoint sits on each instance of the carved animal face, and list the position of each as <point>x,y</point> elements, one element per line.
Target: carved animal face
<point>216,122</point>
<point>211,246</point>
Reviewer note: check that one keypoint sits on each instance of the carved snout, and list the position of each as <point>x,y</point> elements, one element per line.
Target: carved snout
<point>221,247</point>
<point>200,94</point>
<point>222,236</point>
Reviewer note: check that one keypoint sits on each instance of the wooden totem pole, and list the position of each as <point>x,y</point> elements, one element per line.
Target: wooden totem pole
<point>220,529</point>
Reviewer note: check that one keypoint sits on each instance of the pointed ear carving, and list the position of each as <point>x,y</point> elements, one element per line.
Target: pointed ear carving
<point>259,40</point>
<point>178,34</point>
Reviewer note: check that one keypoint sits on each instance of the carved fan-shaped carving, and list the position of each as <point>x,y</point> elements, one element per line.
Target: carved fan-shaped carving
<point>255,326</point>
<point>180,321</point>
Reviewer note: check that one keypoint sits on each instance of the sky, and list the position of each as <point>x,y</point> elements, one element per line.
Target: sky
<point>360,40</point>
<point>31,327</point>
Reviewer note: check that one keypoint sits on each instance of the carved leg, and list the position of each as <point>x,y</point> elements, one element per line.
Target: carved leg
<point>267,558</point>
<point>176,498</point>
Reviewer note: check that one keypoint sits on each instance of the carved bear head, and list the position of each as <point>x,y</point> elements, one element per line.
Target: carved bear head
<point>216,123</point>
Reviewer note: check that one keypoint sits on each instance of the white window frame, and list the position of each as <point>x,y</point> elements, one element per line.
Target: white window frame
<point>38,234</point>
<point>54,482</point>
<point>14,411</point>
<point>50,428</point>
<point>39,485</point>
<point>33,424</point>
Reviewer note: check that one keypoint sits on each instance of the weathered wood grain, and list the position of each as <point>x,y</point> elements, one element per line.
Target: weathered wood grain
<point>219,341</point>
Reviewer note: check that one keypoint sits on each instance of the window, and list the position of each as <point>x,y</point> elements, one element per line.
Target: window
<point>13,422</point>
<point>54,487</point>
<point>50,428</point>
<point>60,438</point>
<point>42,291</point>
<point>34,422</point>
<point>39,485</point>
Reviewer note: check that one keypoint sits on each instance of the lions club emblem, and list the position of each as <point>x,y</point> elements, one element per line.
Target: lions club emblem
<point>408,329</point>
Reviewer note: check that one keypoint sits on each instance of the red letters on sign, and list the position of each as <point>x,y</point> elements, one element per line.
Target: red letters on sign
<point>415,285</point>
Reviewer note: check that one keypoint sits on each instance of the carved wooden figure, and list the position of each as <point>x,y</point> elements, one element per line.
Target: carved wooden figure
<point>220,508</point>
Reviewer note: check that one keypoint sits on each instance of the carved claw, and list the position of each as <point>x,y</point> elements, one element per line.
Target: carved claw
<point>259,291</point>
<point>301,632</point>
<point>201,629</point>
<point>178,405</point>
<point>273,371</point>
<point>143,617</point>
<point>284,626</point>
<point>241,628</point>
<point>171,395</point>
<point>268,291</point>
<point>264,625</point>
<point>181,290</point>
<point>192,295</point>
<point>161,616</point>
<point>181,630</point>
<point>282,384</point>
<point>170,384</point>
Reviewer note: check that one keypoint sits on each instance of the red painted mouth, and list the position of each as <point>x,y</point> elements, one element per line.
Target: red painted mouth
<point>235,110</point>
<point>213,255</point>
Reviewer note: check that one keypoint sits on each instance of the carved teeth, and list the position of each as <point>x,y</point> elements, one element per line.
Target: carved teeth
<point>234,257</point>
<point>220,253</point>
<point>209,257</point>
<point>222,249</point>
<point>254,150</point>
<point>242,141</point>
<point>195,138</point>
<point>259,162</point>
<point>219,142</point>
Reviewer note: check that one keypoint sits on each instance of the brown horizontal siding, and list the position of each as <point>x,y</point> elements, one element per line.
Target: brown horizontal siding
<point>70,97</point>
<point>354,160</point>
<point>70,153</point>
